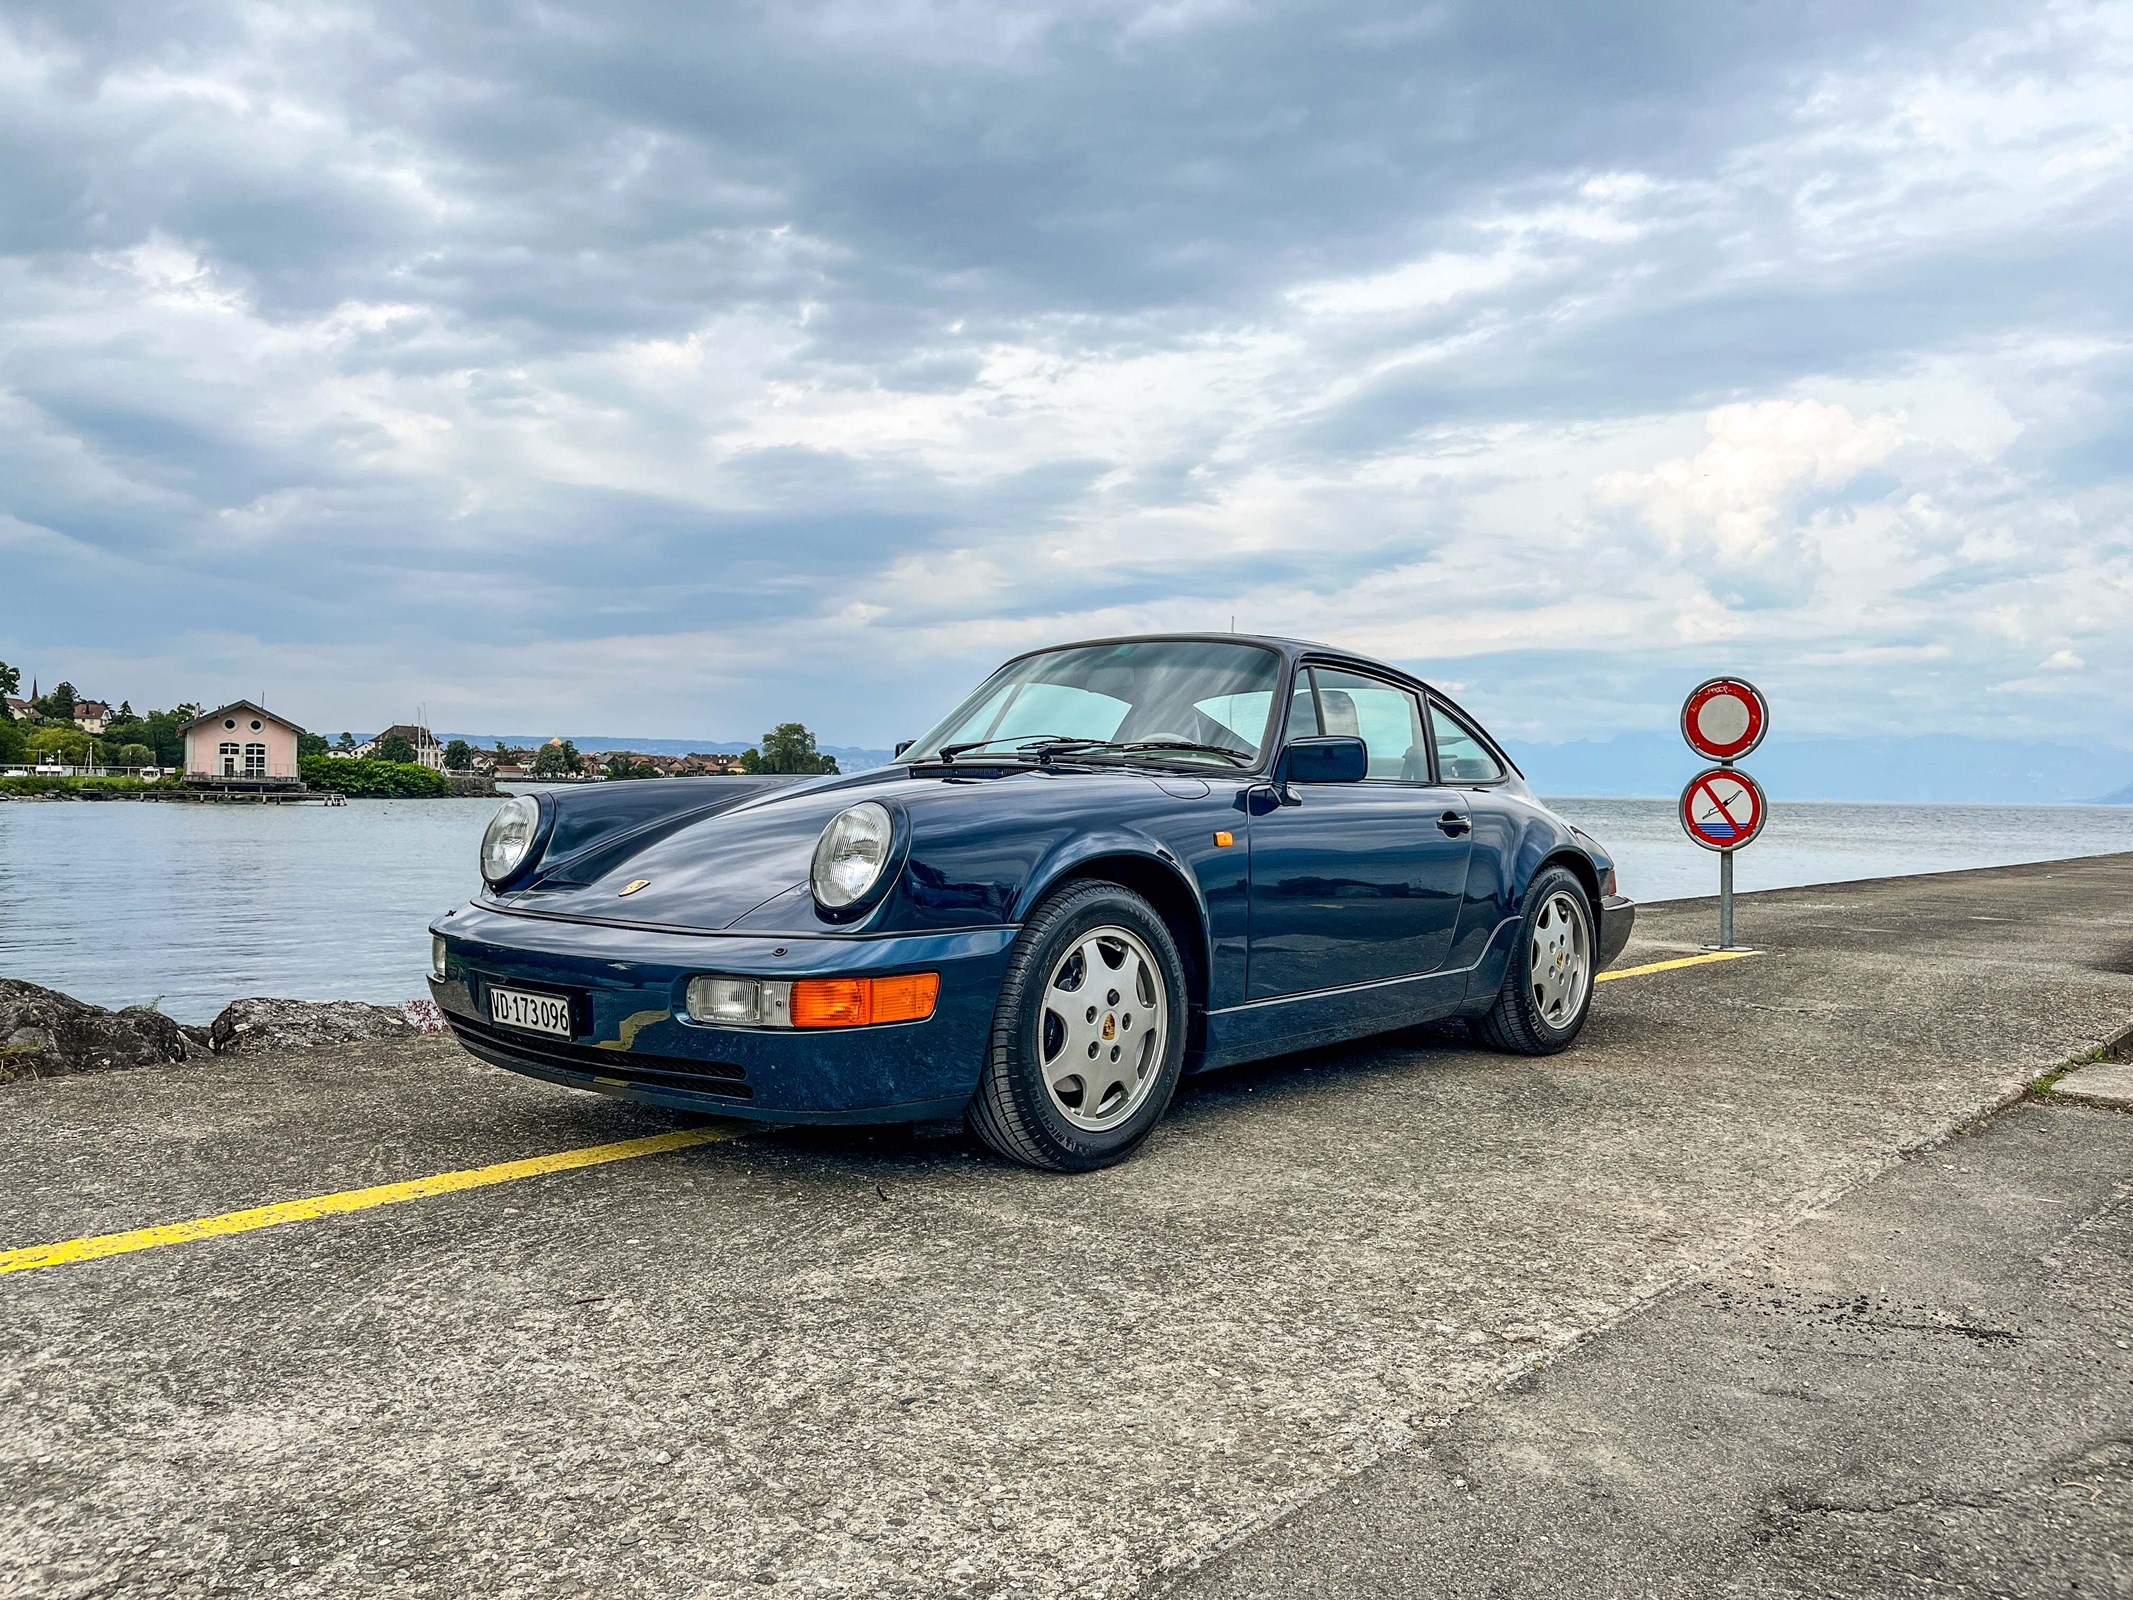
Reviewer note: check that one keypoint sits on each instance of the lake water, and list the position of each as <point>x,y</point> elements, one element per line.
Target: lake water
<point>197,905</point>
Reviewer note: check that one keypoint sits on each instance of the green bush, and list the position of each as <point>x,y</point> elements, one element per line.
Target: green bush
<point>71,785</point>
<point>373,780</point>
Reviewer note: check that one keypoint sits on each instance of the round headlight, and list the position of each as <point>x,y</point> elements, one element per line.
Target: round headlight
<point>850,855</point>
<point>509,837</point>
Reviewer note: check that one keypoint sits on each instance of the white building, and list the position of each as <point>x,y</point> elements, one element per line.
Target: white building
<point>428,751</point>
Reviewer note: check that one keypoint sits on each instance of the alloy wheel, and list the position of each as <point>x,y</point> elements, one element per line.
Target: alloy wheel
<point>1562,959</point>
<point>1103,1028</point>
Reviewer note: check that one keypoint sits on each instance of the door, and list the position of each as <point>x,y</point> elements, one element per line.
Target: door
<point>228,753</point>
<point>1357,882</point>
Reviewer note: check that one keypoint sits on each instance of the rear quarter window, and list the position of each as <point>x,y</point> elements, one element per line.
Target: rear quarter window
<point>1461,756</point>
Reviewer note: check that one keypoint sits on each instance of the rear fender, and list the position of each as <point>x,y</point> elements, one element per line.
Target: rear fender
<point>1487,976</point>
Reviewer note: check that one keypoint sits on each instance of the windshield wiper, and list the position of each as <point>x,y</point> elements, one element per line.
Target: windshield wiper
<point>1242,758</point>
<point>1047,745</point>
<point>1044,743</point>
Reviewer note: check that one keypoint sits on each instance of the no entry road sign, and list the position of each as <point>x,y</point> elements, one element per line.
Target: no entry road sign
<point>1725,718</point>
<point>1722,809</point>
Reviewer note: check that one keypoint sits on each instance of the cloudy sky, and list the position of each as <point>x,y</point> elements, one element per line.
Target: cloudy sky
<point>576,367</point>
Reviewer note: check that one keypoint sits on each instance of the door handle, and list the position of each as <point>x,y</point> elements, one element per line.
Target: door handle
<point>1454,824</point>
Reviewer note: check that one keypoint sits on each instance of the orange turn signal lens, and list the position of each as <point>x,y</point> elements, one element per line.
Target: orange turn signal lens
<point>862,1002</point>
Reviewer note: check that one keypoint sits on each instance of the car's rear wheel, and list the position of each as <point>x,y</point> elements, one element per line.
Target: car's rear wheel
<point>1089,1034</point>
<point>1547,991</point>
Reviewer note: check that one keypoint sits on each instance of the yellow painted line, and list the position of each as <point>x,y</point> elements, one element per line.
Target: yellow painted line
<point>100,1245</point>
<point>1681,961</point>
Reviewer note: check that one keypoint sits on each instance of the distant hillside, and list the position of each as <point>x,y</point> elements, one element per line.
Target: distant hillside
<point>850,758</point>
<point>1941,769</point>
<point>1929,768</point>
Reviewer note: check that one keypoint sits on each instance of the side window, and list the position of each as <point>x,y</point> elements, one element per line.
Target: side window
<point>1386,718</point>
<point>1461,758</point>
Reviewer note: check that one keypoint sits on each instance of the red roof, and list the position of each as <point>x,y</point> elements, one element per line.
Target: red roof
<point>240,705</point>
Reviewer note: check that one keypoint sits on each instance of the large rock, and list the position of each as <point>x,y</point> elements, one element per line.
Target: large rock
<point>260,1027</point>
<point>46,1034</point>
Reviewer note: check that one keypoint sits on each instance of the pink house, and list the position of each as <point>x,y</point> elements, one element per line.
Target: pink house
<point>241,743</point>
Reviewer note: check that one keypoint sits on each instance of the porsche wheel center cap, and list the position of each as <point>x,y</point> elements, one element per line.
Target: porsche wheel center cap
<point>1110,1026</point>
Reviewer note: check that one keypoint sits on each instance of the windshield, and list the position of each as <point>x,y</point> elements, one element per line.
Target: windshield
<point>1161,696</point>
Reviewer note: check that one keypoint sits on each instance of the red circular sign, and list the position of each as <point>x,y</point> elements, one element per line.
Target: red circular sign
<point>1722,809</point>
<point>1725,718</point>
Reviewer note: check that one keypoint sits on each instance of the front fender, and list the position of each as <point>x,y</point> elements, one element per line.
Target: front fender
<point>1068,855</point>
<point>1145,864</point>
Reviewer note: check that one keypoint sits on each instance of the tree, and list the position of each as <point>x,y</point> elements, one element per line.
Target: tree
<point>624,767</point>
<point>788,747</point>
<point>137,755</point>
<point>393,747</point>
<point>10,684</point>
<point>58,706</point>
<point>14,744</point>
<point>67,746</point>
<point>558,759</point>
<point>310,744</point>
<point>158,730</point>
<point>459,756</point>
<point>347,742</point>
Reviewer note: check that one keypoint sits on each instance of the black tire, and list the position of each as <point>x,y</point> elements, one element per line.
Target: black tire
<point>1519,1021</point>
<point>1013,1111</point>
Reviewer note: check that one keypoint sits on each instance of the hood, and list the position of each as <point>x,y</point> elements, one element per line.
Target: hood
<point>706,865</point>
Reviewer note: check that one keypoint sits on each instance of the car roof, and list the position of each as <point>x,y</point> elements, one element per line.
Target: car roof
<point>1293,649</point>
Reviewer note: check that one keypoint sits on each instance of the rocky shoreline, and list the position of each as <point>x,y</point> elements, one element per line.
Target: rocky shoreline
<point>47,1034</point>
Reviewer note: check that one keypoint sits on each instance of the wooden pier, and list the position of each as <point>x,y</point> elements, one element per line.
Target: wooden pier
<point>208,789</point>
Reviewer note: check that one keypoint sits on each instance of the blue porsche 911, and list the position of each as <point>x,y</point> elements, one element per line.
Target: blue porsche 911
<point>1113,864</point>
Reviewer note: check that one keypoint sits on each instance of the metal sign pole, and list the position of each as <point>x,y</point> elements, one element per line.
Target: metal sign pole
<point>1725,891</point>
<point>1725,901</point>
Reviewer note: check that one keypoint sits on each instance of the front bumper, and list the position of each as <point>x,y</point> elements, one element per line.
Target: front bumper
<point>1617,917</point>
<point>625,989</point>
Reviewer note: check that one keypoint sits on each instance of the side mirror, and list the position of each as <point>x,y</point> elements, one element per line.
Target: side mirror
<point>1327,758</point>
<point>902,745</point>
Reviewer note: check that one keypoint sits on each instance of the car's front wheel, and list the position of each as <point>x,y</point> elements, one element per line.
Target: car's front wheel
<point>1547,992</point>
<point>1089,1034</point>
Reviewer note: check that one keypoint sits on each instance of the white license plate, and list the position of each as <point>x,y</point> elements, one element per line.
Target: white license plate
<point>536,1013</point>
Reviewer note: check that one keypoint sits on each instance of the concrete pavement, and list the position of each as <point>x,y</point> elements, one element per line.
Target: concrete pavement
<point>1925,1389</point>
<point>860,1364</point>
